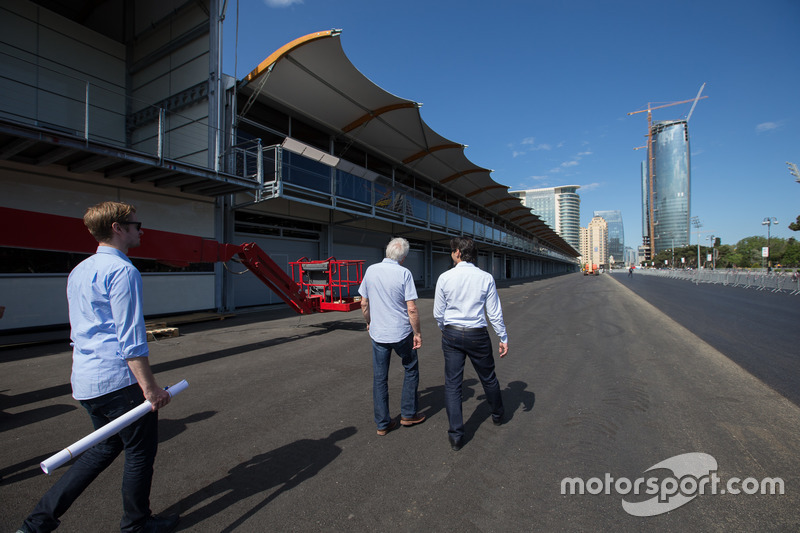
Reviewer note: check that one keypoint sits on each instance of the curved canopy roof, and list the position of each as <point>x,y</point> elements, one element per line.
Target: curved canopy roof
<point>313,76</point>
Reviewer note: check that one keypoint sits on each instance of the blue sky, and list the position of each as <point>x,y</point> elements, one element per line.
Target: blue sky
<point>539,90</point>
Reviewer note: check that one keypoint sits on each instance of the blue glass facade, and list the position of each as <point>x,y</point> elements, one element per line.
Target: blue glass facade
<point>616,234</point>
<point>569,214</point>
<point>671,184</point>
<point>558,207</point>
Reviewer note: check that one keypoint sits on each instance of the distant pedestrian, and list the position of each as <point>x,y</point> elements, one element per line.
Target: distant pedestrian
<point>389,305</point>
<point>465,296</point>
<point>630,272</point>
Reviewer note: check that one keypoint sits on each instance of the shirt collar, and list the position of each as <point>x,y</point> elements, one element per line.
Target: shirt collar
<point>387,260</point>
<point>110,250</point>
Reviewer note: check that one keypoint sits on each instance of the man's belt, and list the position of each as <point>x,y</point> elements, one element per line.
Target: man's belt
<point>463,328</point>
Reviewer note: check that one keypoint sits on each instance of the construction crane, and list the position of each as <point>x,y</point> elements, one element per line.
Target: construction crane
<point>650,158</point>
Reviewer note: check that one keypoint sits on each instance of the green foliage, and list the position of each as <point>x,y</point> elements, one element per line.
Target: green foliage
<point>744,254</point>
<point>795,226</point>
<point>688,253</point>
<point>791,256</point>
<point>747,253</point>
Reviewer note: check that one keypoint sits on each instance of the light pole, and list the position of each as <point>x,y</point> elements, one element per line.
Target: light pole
<point>713,255</point>
<point>768,222</point>
<point>697,224</point>
<point>793,171</point>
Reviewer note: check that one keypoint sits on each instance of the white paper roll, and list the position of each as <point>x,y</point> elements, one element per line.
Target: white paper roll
<point>112,428</point>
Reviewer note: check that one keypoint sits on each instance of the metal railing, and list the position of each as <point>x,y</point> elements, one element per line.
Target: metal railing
<point>284,173</point>
<point>760,280</point>
<point>98,110</point>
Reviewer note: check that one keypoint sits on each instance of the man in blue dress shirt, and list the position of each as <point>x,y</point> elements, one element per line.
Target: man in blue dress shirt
<point>463,293</point>
<point>388,303</point>
<point>110,374</point>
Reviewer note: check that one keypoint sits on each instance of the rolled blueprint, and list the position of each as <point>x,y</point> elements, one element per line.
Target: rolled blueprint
<point>112,428</point>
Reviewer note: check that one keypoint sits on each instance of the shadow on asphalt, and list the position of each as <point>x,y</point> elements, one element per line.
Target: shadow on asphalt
<point>308,330</point>
<point>170,428</point>
<point>281,469</point>
<point>21,471</point>
<point>515,397</point>
<point>12,421</point>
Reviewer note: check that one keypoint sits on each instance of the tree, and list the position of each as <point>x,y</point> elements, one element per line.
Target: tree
<point>791,256</point>
<point>795,226</point>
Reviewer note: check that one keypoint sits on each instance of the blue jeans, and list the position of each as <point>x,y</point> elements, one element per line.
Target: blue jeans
<point>381,355</point>
<point>140,442</point>
<point>457,345</point>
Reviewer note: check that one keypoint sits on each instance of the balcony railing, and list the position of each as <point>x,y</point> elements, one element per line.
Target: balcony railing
<point>284,173</point>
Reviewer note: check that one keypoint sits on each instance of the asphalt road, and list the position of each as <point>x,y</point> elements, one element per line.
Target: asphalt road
<point>759,330</point>
<point>275,431</point>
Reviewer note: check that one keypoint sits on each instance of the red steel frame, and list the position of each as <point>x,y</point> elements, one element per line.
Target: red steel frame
<point>42,231</point>
<point>336,290</point>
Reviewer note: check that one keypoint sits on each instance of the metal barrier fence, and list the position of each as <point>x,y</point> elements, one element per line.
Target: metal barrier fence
<point>759,280</point>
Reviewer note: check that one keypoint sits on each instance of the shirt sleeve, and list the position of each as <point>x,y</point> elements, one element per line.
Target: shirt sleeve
<point>125,297</point>
<point>439,304</point>
<point>410,288</point>
<point>494,311</point>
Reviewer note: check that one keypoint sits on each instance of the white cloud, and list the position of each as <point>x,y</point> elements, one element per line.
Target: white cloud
<point>528,145</point>
<point>590,186</point>
<point>566,164</point>
<point>767,126</point>
<point>282,3</point>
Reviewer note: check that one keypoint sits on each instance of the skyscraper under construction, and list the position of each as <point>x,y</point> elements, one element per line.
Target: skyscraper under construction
<point>666,181</point>
<point>668,185</point>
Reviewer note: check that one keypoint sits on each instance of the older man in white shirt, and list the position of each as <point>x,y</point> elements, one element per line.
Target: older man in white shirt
<point>388,303</point>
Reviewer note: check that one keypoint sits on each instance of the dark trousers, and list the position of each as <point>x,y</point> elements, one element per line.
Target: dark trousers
<point>140,442</point>
<point>457,345</point>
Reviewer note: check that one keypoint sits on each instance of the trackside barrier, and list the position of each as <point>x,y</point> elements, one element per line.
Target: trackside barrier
<point>788,282</point>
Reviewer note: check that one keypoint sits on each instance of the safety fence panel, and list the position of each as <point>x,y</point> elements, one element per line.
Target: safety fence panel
<point>788,282</point>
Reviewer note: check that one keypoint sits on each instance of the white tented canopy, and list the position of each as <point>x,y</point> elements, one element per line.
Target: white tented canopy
<point>313,77</point>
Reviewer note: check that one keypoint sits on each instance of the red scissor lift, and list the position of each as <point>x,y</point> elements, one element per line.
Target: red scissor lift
<point>332,282</point>
<point>327,285</point>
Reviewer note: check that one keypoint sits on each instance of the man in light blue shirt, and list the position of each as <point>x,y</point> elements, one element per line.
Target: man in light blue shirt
<point>463,294</point>
<point>110,374</point>
<point>388,303</point>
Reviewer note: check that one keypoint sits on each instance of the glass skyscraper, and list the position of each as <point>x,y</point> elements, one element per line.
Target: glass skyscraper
<point>671,185</point>
<point>558,207</point>
<point>616,234</point>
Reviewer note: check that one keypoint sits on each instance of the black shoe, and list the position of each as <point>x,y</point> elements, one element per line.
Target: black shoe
<point>455,444</point>
<point>497,421</point>
<point>161,524</point>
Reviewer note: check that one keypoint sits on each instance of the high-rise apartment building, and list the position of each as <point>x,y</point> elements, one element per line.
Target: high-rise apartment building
<point>594,242</point>
<point>558,207</point>
<point>616,234</point>
<point>666,190</point>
